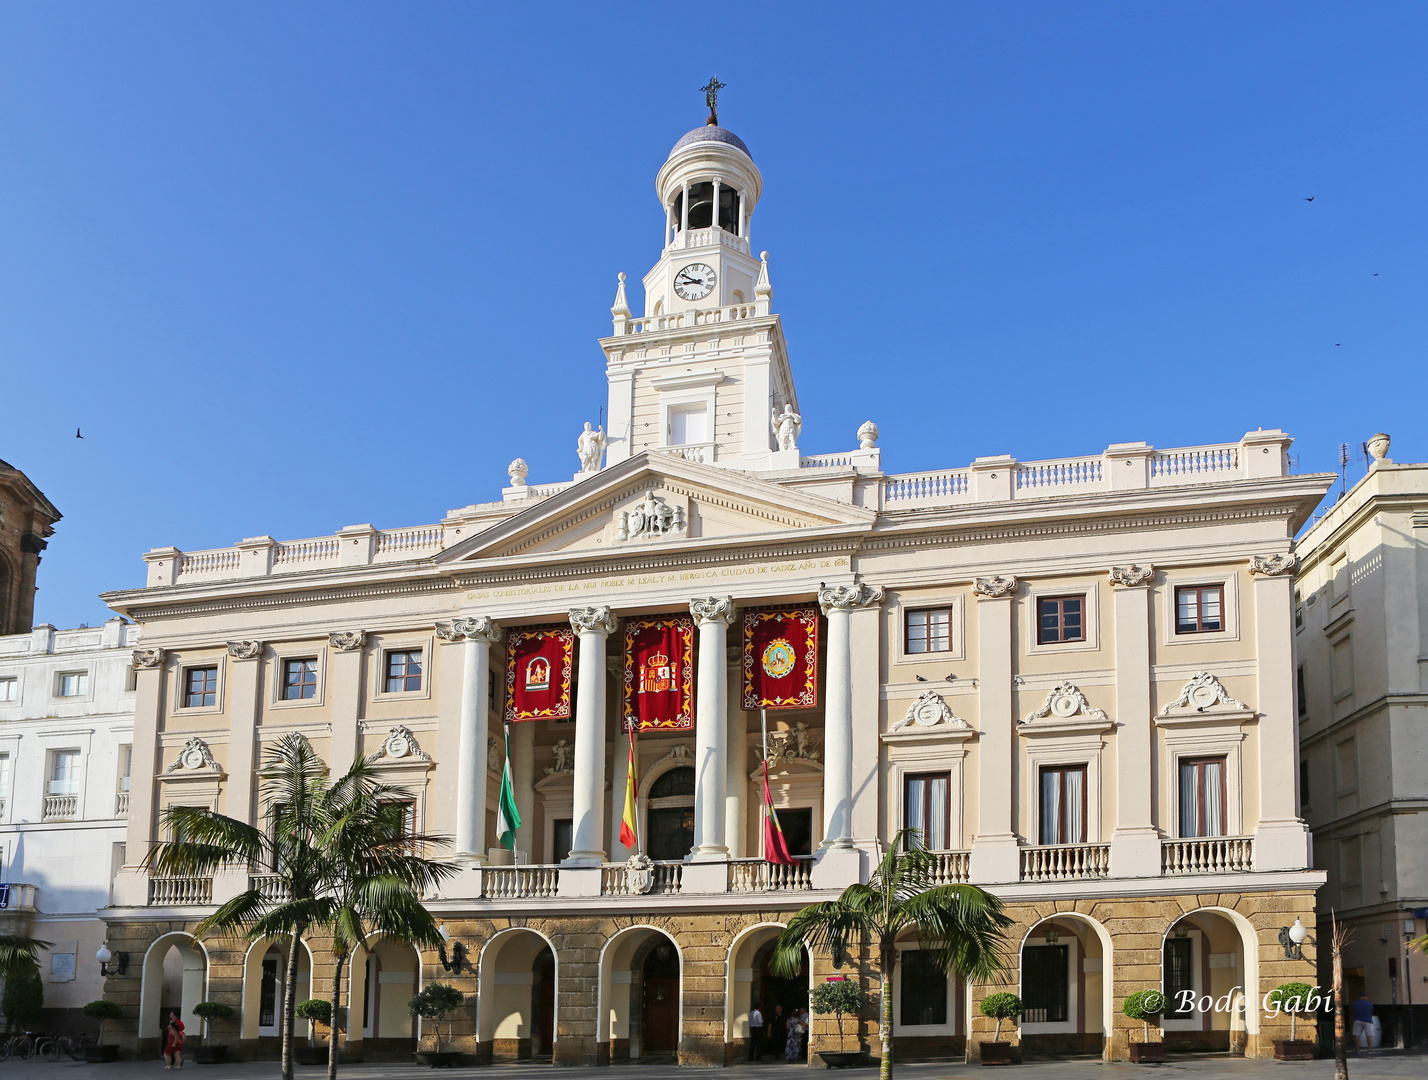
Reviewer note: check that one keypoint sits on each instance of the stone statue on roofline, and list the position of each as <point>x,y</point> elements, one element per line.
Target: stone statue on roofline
<point>787,425</point>
<point>591,448</point>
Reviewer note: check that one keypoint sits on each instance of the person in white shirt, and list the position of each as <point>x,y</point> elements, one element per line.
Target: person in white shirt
<point>756,1032</point>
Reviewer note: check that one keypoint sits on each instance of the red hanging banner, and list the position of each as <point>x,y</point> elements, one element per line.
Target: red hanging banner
<point>659,673</point>
<point>781,658</point>
<point>539,662</point>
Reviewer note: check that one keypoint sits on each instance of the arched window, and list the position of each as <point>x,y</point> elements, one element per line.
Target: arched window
<point>675,782</point>
<point>701,207</point>
<point>670,815</point>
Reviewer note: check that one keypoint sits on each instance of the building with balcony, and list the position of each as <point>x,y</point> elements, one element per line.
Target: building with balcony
<point>1360,633</point>
<point>1074,677</point>
<point>66,728</point>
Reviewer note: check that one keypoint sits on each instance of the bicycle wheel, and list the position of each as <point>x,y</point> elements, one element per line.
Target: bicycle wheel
<point>25,1048</point>
<point>77,1048</point>
<point>50,1050</point>
<point>6,1049</point>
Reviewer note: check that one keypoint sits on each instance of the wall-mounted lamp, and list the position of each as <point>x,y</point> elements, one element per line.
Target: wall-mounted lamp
<point>1291,937</point>
<point>458,951</point>
<point>1052,935</point>
<point>1181,930</point>
<point>104,956</point>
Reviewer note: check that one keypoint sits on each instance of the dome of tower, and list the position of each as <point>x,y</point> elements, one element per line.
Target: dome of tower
<point>710,133</point>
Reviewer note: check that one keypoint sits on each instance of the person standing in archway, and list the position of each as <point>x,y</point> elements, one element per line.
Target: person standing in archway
<point>776,1031</point>
<point>756,1031</point>
<point>173,1042</point>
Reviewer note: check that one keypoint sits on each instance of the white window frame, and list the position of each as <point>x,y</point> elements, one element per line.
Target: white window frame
<point>956,636</point>
<point>1201,742</point>
<point>1073,981</point>
<point>1051,750</point>
<point>52,756</point>
<point>950,1027</point>
<point>278,677</point>
<point>428,652</point>
<point>933,752</point>
<point>683,391</point>
<point>1228,580</point>
<point>19,698</point>
<point>1091,614</point>
<point>181,687</point>
<point>85,694</point>
<point>1196,1020</point>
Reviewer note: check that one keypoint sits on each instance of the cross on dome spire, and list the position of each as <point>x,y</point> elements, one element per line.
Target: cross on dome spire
<point>711,98</point>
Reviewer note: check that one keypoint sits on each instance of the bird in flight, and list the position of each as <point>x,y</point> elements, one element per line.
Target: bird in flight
<point>1309,198</point>
<point>77,435</point>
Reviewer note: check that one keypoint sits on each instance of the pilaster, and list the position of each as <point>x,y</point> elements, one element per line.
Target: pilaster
<point>245,670</point>
<point>1135,844</point>
<point>1281,839</point>
<point>996,857</point>
<point>712,616</point>
<point>344,691</point>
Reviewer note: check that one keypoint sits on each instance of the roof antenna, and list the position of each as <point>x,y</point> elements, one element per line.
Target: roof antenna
<point>1343,469</point>
<point>711,98</point>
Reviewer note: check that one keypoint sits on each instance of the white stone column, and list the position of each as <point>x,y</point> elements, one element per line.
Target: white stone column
<point>712,615</point>
<point>1135,844</point>
<point>995,851</point>
<point>684,214</point>
<point>479,633</point>
<point>743,218</point>
<point>593,625</point>
<point>523,781</point>
<point>1280,838</point>
<point>736,758</point>
<point>838,602</point>
<point>714,217</point>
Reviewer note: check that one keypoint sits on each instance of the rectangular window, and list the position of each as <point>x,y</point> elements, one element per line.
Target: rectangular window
<point>1199,609</point>
<point>923,994</point>
<point>1351,869</point>
<point>268,993</point>
<point>1302,703</point>
<point>409,816</point>
<point>491,691</point>
<point>1202,797</point>
<point>1063,804</point>
<point>561,834</point>
<point>1060,618</point>
<point>73,684</point>
<point>403,671</point>
<point>925,808</point>
<point>200,687</point>
<point>1044,984</point>
<point>1339,578</point>
<point>4,780</point>
<point>300,679</point>
<point>687,426</point>
<point>1341,665</point>
<point>797,826</point>
<point>1303,782</point>
<point>1298,610</point>
<point>126,767</point>
<point>9,688</point>
<point>929,630</point>
<point>1178,975</point>
<point>64,772</point>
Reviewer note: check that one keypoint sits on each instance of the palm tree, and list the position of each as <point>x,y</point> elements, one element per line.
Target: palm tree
<point>960,927</point>
<point>20,954</point>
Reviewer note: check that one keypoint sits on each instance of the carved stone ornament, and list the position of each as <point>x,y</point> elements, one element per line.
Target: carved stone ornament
<point>1132,575</point>
<point>447,631</point>
<point>518,470</point>
<point>1064,702</point>
<point>564,759</point>
<point>867,435</point>
<point>245,650</point>
<point>400,745</point>
<point>712,609</point>
<point>791,744</point>
<point>651,517</point>
<point>639,873</point>
<point>994,587</point>
<point>848,597</point>
<point>1274,565</point>
<point>347,640</point>
<point>148,658</point>
<point>930,710</point>
<point>593,620</point>
<point>590,446</point>
<point>1201,692</point>
<point>194,757</point>
<point>479,626</point>
<point>787,426</point>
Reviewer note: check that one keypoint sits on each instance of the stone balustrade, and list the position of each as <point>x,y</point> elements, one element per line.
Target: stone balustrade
<point>512,882</point>
<point>61,807</point>
<point>952,867</point>
<point>755,875</point>
<point>1065,862</point>
<point>18,897</point>
<point>121,804</point>
<point>180,891</point>
<point>271,887</point>
<point>679,320</point>
<point>1207,855</point>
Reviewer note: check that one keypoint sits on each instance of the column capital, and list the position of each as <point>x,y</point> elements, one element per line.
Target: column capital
<point>245,650</point>
<point>995,587</point>
<point>712,609</point>
<point>148,658</point>
<point>346,640</point>
<point>848,597</point>
<point>1274,565</point>
<point>1131,576</point>
<point>471,627</point>
<point>594,620</point>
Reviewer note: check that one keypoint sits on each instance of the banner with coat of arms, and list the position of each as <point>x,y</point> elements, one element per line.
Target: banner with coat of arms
<point>539,662</point>
<point>781,658</point>
<point>659,673</point>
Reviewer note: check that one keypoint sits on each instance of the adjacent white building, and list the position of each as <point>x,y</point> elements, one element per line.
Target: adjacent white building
<point>66,730</point>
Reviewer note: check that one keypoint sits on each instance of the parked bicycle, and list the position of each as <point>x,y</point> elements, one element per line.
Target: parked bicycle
<point>21,1046</point>
<point>55,1047</point>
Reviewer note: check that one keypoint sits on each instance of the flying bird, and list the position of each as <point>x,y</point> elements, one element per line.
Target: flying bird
<point>1309,198</point>
<point>77,435</point>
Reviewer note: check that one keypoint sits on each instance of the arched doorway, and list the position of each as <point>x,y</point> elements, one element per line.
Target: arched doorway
<point>748,983</point>
<point>669,815</point>
<point>264,975</point>
<point>1066,984</point>
<point>385,975</point>
<point>640,995</point>
<point>174,976</point>
<point>1204,976</point>
<point>516,1002</point>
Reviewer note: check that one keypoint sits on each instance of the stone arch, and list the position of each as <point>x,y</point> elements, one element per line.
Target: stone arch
<point>739,983</point>
<point>384,1018</point>
<point>507,984</point>
<point>616,988</point>
<point>253,983</point>
<point>193,961</point>
<point>1242,1015</point>
<point>1094,1006</point>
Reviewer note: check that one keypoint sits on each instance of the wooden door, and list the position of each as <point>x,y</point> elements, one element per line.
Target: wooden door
<point>659,1022</point>
<point>545,1013</point>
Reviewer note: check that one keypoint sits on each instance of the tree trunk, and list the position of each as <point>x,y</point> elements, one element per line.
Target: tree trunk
<point>333,1025</point>
<point>290,1001</point>
<point>886,959</point>
<point>1341,1052</point>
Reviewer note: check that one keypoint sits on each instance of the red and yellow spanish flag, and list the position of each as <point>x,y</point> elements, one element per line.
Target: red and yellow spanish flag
<point>775,846</point>
<point>629,835</point>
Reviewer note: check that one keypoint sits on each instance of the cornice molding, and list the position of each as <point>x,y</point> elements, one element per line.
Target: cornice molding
<point>248,602</point>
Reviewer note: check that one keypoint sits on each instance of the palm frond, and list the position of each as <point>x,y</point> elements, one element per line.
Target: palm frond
<point>962,929</point>
<point>234,916</point>
<point>18,953</point>
<point>836,927</point>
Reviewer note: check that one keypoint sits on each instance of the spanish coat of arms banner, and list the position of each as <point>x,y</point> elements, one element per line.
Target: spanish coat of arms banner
<point>659,673</point>
<point>539,662</point>
<point>781,658</point>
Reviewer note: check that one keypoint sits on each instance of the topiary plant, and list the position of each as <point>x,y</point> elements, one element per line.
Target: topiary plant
<point>1292,998</point>
<point>999,1007</point>
<point>1145,1006</point>
<point>838,995</point>
<point>102,1010</point>
<point>318,1010</point>
<point>208,1011</point>
<point>433,1002</point>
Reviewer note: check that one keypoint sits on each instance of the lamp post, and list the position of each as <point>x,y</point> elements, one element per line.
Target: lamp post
<point>104,956</point>
<point>458,950</point>
<point>1291,937</point>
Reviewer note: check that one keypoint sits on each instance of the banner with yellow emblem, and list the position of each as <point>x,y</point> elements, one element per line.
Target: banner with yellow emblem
<point>659,673</point>
<point>781,658</point>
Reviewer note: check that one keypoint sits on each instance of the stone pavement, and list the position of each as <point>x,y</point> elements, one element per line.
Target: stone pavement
<point>1391,1065</point>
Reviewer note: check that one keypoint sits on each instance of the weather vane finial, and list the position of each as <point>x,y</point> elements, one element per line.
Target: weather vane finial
<point>711,98</point>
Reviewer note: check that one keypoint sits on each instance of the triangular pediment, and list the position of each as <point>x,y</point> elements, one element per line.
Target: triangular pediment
<point>656,501</point>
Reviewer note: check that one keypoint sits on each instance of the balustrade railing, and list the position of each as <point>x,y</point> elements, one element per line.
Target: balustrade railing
<point>1065,862</point>
<point>1042,476</point>
<point>699,453</point>
<point>318,549</point>
<point>825,461</point>
<point>951,867</point>
<point>926,489</point>
<point>622,879</point>
<point>756,875</point>
<point>121,804</point>
<point>410,542</point>
<point>222,561</point>
<point>61,807</point>
<point>15,896</point>
<point>271,887</point>
<point>512,882</point>
<point>677,320</point>
<point>1194,464</point>
<point>180,891</point>
<point>1207,855</point>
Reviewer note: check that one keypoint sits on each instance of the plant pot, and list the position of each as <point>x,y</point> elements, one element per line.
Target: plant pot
<point>98,1055</point>
<point>1293,1050</point>
<point>996,1053</point>
<point>1147,1053</point>
<point>439,1059</point>
<point>211,1055</point>
<point>310,1055</point>
<point>841,1059</point>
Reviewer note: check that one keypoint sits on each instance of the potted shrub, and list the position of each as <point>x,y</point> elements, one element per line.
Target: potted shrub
<point>1145,1006</point>
<point>209,1011</point>
<point>838,995</point>
<point>999,1007</point>
<point>102,1010</point>
<point>1293,998</point>
<point>317,1011</point>
<point>432,1003</point>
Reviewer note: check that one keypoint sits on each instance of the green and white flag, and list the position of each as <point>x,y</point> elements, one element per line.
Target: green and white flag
<point>508,818</point>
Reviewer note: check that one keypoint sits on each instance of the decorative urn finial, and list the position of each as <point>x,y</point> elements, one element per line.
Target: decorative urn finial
<point>867,435</point>
<point>1378,448</point>
<point>621,308</point>
<point>518,470</point>
<point>762,289</point>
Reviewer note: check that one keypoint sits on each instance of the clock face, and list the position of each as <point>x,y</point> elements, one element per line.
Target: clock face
<point>695,281</point>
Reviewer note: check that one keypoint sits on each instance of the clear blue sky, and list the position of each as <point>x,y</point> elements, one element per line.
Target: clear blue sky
<point>293,267</point>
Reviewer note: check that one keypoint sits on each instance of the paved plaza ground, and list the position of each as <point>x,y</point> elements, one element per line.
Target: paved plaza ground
<point>1391,1065</point>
